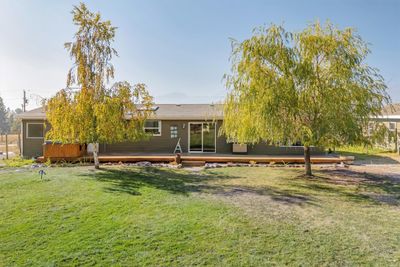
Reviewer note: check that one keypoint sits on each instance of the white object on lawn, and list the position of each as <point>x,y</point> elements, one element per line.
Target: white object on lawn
<point>90,148</point>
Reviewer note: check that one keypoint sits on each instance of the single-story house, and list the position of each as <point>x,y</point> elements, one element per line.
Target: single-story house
<point>195,125</point>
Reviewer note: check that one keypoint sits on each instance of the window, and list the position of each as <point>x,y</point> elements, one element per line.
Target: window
<point>153,127</point>
<point>174,131</point>
<point>34,130</point>
<point>392,126</point>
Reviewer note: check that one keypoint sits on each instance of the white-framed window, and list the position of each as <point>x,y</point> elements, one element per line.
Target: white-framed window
<point>174,131</point>
<point>153,127</point>
<point>392,126</point>
<point>35,130</point>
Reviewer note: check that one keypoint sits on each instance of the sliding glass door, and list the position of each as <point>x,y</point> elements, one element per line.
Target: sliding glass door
<point>202,137</point>
<point>209,137</point>
<point>195,137</point>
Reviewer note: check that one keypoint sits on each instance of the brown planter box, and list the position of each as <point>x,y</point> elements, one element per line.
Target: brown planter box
<point>63,151</point>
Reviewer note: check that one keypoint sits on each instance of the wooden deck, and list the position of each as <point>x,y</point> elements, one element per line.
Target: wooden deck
<point>209,158</point>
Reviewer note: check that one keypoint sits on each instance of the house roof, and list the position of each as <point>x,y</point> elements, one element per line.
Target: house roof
<point>37,113</point>
<point>390,112</point>
<point>393,109</point>
<point>162,112</point>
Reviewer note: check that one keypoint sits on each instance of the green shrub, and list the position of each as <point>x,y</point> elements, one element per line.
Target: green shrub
<point>17,162</point>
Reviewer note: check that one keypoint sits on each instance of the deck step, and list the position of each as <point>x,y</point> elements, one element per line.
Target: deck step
<point>193,163</point>
<point>200,160</point>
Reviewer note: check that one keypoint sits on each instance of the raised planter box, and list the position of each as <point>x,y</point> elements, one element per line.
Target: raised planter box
<point>56,151</point>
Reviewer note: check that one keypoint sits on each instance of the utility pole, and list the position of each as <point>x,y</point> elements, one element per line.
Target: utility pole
<point>25,101</point>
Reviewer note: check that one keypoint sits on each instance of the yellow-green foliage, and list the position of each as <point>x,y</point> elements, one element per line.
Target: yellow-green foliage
<point>96,112</point>
<point>17,162</point>
<point>312,86</point>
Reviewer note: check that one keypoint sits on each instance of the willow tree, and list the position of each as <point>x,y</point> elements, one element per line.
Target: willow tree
<point>96,113</point>
<point>313,87</point>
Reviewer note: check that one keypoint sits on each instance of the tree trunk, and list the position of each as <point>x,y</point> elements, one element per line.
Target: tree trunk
<point>96,155</point>
<point>307,160</point>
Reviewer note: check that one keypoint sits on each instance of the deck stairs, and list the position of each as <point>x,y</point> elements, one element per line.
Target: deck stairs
<point>193,163</point>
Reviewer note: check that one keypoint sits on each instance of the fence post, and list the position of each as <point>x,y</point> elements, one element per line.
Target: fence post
<point>6,146</point>
<point>19,144</point>
<point>396,140</point>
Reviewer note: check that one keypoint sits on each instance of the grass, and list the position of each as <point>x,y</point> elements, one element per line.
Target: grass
<point>363,150</point>
<point>228,216</point>
<point>374,155</point>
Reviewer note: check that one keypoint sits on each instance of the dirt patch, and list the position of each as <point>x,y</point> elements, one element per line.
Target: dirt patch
<point>378,184</point>
<point>336,176</point>
<point>269,194</point>
<point>387,171</point>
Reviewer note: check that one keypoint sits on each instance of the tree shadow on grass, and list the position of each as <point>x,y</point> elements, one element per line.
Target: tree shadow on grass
<point>283,196</point>
<point>301,190</point>
<point>354,185</point>
<point>131,180</point>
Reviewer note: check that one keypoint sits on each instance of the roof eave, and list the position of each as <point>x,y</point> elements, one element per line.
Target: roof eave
<point>387,117</point>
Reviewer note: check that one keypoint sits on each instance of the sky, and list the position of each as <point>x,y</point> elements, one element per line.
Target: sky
<point>179,49</point>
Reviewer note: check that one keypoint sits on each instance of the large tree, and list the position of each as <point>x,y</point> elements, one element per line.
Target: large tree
<point>96,113</point>
<point>4,124</point>
<point>313,87</point>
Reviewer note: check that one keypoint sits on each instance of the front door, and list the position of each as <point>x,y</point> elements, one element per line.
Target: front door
<point>202,136</point>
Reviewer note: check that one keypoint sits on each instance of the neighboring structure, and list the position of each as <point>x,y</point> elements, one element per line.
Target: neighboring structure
<point>196,125</point>
<point>391,119</point>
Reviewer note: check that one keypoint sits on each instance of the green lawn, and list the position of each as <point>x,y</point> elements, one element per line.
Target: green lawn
<point>227,216</point>
<point>370,155</point>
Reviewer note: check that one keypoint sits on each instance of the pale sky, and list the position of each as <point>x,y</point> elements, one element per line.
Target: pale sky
<point>180,49</point>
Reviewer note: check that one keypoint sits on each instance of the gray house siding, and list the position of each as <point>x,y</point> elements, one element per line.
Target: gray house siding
<point>264,149</point>
<point>32,147</point>
<point>164,143</point>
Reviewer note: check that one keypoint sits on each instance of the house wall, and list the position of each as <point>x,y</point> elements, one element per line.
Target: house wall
<point>163,143</point>
<point>32,147</point>
<point>166,144</point>
<point>390,143</point>
<point>264,149</point>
